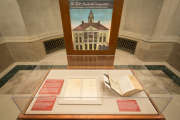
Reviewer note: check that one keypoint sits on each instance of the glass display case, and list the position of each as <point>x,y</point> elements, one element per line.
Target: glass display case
<point>62,92</point>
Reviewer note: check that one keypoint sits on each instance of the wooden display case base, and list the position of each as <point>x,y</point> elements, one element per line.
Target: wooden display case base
<point>92,117</point>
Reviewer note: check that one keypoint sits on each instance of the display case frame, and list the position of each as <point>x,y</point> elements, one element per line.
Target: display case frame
<point>158,116</point>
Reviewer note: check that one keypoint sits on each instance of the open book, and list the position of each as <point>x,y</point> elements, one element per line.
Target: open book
<point>80,91</point>
<point>124,86</point>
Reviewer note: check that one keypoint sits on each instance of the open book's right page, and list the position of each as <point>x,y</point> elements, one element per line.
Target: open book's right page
<point>125,86</point>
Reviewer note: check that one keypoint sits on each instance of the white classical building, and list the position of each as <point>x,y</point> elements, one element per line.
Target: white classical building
<point>91,35</point>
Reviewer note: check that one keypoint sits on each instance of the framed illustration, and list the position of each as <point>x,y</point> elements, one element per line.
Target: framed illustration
<point>91,26</point>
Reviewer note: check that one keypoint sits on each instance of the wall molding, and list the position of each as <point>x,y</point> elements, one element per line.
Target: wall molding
<point>133,35</point>
<point>148,38</point>
<point>167,38</point>
<point>43,37</point>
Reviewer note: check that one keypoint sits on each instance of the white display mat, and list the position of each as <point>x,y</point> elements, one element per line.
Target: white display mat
<point>108,104</point>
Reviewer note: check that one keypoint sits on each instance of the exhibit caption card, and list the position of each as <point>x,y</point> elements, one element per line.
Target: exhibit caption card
<point>44,103</point>
<point>51,87</point>
<point>128,106</point>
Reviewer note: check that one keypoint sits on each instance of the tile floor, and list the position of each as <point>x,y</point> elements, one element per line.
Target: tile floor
<point>9,111</point>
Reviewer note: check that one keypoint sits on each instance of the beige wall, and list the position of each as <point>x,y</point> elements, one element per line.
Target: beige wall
<point>147,51</point>
<point>27,51</point>
<point>11,21</point>
<point>23,23</point>
<point>41,16</point>
<point>141,15</point>
<point>174,58</point>
<point>174,26</point>
<point>5,57</point>
<point>29,20</point>
<point>151,20</point>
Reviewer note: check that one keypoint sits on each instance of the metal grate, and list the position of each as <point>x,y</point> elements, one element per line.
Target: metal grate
<point>54,44</point>
<point>127,45</point>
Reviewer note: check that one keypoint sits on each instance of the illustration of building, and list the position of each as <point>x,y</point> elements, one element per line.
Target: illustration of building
<point>91,35</point>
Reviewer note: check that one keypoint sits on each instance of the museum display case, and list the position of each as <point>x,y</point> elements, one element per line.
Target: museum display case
<point>72,92</point>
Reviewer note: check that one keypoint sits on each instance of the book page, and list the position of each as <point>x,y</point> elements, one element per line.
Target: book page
<point>125,84</point>
<point>122,85</point>
<point>115,86</point>
<point>106,81</point>
<point>89,88</point>
<point>73,88</point>
<point>135,82</point>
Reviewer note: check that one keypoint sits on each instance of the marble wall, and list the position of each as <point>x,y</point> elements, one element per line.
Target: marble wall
<point>27,51</point>
<point>153,52</point>
<point>174,58</point>
<point>29,20</point>
<point>174,26</point>
<point>24,25</point>
<point>41,16</point>
<point>11,21</point>
<point>5,57</point>
<point>141,15</point>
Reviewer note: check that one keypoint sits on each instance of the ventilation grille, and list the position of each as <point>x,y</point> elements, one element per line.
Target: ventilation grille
<point>127,45</point>
<point>54,44</point>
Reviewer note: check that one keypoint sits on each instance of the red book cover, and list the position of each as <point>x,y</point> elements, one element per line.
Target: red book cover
<point>44,103</point>
<point>128,106</point>
<point>52,87</point>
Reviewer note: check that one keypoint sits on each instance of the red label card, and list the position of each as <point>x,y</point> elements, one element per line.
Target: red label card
<point>128,105</point>
<point>53,83</point>
<point>44,103</point>
<point>52,87</point>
